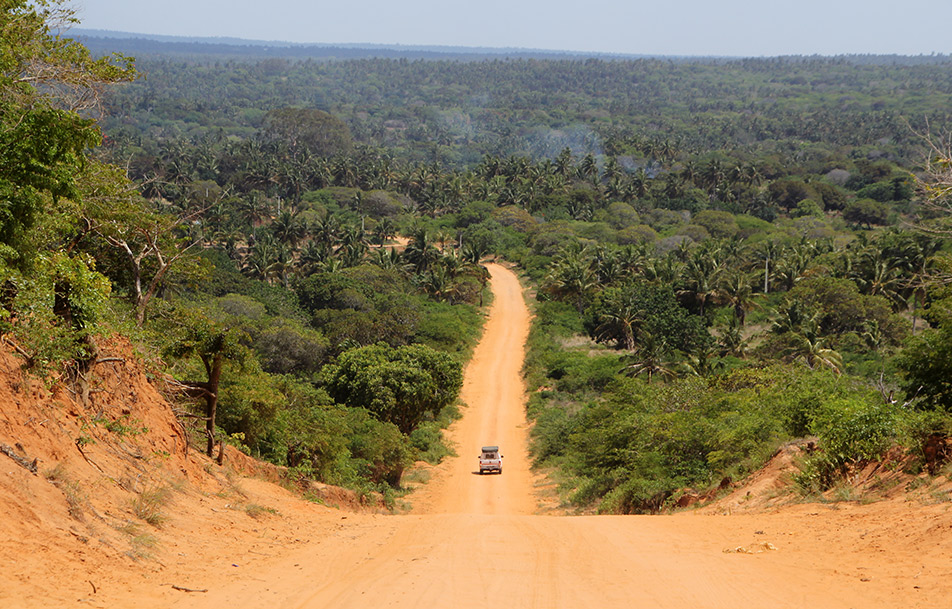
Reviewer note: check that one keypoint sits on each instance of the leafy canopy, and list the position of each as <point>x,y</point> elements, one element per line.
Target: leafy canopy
<point>399,385</point>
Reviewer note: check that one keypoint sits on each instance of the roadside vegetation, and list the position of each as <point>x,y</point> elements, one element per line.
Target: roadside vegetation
<point>727,254</point>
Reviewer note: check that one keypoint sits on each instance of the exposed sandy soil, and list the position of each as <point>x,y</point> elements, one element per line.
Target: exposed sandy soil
<point>469,540</point>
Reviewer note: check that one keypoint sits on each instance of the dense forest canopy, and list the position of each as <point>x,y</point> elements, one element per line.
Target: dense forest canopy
<point>727,254</point>
<point>455,112</point>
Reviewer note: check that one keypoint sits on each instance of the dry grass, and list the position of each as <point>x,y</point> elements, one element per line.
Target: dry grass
<point>150,503</point>
<point>72,491</point>
<point>258,511</point>
<point>141,544</point>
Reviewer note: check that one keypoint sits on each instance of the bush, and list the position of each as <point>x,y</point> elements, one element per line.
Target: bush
<point>427,443</point>
<point>399,385</point>
<point>379,450</point>
<point>850,430</point>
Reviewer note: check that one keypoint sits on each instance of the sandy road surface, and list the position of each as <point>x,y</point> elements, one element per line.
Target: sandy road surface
<point>494,392</point>
<point>477,542</point>
<point>473,541</point>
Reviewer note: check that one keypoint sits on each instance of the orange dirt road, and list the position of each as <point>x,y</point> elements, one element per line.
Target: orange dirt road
<point>482,542</point>
<point>473,541</point>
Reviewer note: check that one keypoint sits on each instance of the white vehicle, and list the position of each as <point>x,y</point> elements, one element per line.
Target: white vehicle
<point>490,460</point>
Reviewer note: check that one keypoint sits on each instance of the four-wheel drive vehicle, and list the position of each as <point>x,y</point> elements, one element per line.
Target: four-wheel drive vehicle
<point>490,460</point>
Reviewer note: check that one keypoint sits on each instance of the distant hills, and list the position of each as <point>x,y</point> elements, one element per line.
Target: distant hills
<point>106,41</point>
<point>102,42</point>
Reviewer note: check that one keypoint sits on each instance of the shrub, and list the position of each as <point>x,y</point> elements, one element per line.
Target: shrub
<point>400,385</point>
<point>850,430</point>
<point>379,450</point>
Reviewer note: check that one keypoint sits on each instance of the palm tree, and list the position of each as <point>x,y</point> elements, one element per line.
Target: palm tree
<point>435,281</point>
<point>253,209</point>
<point>639,184</point>
<point>420,252</point>
<point>739,294</point>
<point>651,359</point>
<point>351,235</point>
<point>733,341</point>
<point>790,269</point>
<point>326,231</point>
<point>351,254</point>
<point>564,162</point>
<point>588,169</point>
<point>281,266</point>
<point>702,276</point>
<point>702,361</point>
<point>713,176</point>
<point>674,186</point>
<point>663,271</point>
<point>386,258</point>
<point>792,316</point>
<point>473,252</point>
<point>384,231</point>
<point>633,259</point>
<point>769,251</point>
<point>623,316</point>
<point>259,259</point>
<point>811,348</point>
<point>287,229</point>
<point>313,256</point>
<point>571,278</point>
<point>921,266</point>
<point>689,171</point>
<point>877,274</point>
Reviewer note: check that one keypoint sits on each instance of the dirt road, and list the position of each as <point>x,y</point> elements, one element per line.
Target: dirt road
<point>475,541</point>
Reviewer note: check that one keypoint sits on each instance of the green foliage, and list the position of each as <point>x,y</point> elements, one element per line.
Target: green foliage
<point>399,385</point>
<point>449,328</point>
<point>866,212</point>
<point>640,442</point>
<point>427,443</point>
<point>45,80</point>
<point>837,306</point>
<point>286,347</point>
<point>653,224</point>
<point>150,505</point>
<point>201,335</point>
<point>42,150</point>
<point>850,430</point>
<point>249,403</point>
<point>926,365</point>
<point>719,224</point>
<point>53,311</point>
<point>308,131</point>
<point>380,452</point>
<point>624,315</point>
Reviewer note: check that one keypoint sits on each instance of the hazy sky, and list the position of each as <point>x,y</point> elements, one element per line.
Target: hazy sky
<point>686,27</point>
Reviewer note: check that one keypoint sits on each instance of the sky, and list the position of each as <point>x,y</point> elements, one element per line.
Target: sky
<point>750,28</point>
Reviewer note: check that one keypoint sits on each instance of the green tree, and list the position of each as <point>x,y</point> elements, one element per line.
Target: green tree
<point>308,131</point>
<point>571,278</point>
<point>399,385</point>
<point>866,212</point>
<point>926,365</point>
<point>626,315</point>
<point>46,80</point>
<point>213,343</point>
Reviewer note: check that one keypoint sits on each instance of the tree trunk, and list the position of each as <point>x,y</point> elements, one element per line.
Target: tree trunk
<point>211,403</point>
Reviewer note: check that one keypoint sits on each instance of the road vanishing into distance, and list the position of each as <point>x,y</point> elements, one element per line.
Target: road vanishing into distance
<point>474,541</point>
